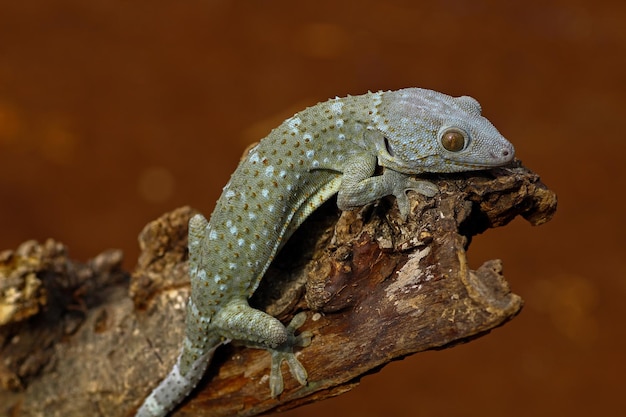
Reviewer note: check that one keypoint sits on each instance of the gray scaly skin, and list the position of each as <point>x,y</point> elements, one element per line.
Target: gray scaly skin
<point>332,147</point>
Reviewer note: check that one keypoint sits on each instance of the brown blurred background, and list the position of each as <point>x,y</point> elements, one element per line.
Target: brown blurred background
<point>112,113</point>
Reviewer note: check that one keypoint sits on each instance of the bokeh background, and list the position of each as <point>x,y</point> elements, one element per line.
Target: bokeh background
<point>114,112</point>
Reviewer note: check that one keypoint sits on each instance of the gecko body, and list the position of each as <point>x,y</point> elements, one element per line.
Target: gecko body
<point>330,148</point>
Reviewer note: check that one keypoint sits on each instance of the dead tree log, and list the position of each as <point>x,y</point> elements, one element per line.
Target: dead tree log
<point>74,342</point>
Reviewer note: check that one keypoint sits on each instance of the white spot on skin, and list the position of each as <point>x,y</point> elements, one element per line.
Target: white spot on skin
<point>269,171</point>
<point>270,208</point>
<point>307,136</point>
<point>337,106</point>
<point>315,164</point>
<point>376,118</point>
<point>252,246</point>
<point>229,194</point>
<point>217,278</point>
<point>377,98</point>
<point>212,235</point>
<point>252,216</point>
<point>310,153</point>
<point>341,136</point>
<point>339,123</point>
<point>232,266</point>
<point>254,158</point>
<point>233,230</point>
<point>241,242</point>
<point>265,193</point>
<point>283,174</point>
<point>294,124</point>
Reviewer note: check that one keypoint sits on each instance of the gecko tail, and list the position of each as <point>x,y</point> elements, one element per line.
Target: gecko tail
<point>174,388</point>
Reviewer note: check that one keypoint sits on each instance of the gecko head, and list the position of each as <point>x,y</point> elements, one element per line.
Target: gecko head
<point>419,130</point>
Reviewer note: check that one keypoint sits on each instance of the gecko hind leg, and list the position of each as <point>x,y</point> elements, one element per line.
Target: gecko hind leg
<point>254,328</point>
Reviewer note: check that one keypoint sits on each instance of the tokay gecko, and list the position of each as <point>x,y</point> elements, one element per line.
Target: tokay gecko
<point>330,148</point>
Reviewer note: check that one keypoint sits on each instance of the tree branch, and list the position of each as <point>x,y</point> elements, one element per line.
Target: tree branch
<point>376,289</point>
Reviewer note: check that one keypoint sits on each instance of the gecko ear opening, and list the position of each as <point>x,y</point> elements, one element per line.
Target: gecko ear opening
<point>388,147</point>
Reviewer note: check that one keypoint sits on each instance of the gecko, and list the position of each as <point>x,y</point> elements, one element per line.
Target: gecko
<point>334,147</point>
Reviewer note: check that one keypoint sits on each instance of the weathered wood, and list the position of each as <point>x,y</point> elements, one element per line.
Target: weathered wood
<point>375,288</point>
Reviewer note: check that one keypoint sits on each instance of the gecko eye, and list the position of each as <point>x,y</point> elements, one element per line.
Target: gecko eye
<point>388,147</point>
<point>454,140</point>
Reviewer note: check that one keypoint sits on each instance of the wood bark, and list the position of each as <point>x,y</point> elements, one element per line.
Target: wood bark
<point>92,339</point>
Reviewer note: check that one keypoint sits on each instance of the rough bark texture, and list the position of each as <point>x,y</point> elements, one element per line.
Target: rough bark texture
<point>73,342</point>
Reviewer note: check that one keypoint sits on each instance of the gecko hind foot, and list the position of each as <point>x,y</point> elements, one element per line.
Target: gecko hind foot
<point>284,353</point>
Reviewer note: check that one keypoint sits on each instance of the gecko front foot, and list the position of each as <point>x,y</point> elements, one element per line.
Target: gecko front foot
<point>403,183</point>
<point>284,353</point>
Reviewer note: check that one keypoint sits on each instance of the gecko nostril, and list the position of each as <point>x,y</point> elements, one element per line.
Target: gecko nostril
<point>504,154</point>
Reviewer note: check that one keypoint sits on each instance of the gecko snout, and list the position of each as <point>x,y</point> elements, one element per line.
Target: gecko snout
<point>504,156</point>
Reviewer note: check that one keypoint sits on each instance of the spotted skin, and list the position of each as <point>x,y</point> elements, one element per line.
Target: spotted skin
<point>331,148</point>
